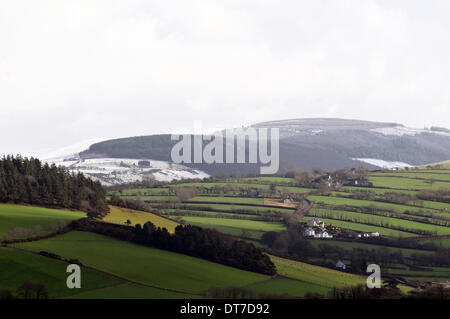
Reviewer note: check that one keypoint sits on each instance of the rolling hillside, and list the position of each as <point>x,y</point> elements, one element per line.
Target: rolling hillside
<point>21,221</point>
<point>307,143</point>
<point>399,206</point>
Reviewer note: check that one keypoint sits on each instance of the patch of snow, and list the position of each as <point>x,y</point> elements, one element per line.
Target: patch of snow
<point>402,130</point>
<point>382,163</point>
<point>111,171</point>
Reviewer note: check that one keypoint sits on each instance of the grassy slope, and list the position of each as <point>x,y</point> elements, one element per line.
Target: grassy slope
<point>12,216</point>
<point>316,275</point>
<point>120,215</point>
<point>238,223</point>
<point>360,217</point>
<point>305,278</point>
<point>18,267</point>
<point>288,286</point>
<point>406,183</point>
<point>444,164</point>
<point>364,203</point>
<point>234,207</point>
<point>132,291</point>
<point>350,245</point>
<point>144,264</point>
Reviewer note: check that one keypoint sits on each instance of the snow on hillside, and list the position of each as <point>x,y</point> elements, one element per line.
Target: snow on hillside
<point>402,130</point>
<point>111,171</point>
<point>382,163</point>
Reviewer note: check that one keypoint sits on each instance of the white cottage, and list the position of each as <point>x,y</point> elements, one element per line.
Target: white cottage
<point>341,265</point>
<point>310,232</point>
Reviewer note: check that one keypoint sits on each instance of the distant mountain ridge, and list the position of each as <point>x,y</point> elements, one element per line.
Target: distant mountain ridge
<point>305,143</point>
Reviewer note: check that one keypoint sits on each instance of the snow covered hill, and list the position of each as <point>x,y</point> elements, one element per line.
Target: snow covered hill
<point>111,171</point>
<point>304,143</point>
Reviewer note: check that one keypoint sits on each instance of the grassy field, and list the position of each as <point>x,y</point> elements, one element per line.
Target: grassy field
<point>443,242</point>
<point>365,228</point>
<point>234,207</point>
<point>424,175</point>
<point>354,245</point>
<point>132,291</point>
<point>12,216</point>
<point>443,165</point>
<point>316,275</point>
<point>143,264</point>
<point>381,220</point>
<point>18,267</point>
<point>406,183</point>
<point>119,215</point>
<point>365,203</point>
<point>237,223</point>
<point>288,286</point>
<point>223,199</point>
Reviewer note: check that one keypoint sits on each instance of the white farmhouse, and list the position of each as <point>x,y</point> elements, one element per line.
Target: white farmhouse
<point>341,265</point>
<point>323,235</point>
<point>315,222</point>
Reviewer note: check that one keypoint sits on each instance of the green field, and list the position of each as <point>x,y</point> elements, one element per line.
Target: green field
<point>237,223</point>
<point>234,207</point>
<point>132,291</point>
<point>316,275</point>
<point>235,231</point>
<point>366,203</point>
<point>365,228</point>
<point>381,220</point>
<point>355,245</point>
<point>424,175</point>
<point>288,286</point>
<point>443,242</point>
<point>12,216</point>
<point>236,200</point>
<point>143,264</point>
<point>18,267</point>
<point>406,183</point>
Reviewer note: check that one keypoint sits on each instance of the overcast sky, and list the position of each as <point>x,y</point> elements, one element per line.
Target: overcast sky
<point>77,70</point>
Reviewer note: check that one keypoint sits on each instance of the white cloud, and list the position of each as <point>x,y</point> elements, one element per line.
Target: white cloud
<point>76,70</point>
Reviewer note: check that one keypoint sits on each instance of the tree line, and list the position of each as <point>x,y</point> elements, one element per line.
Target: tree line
<point>29,181</point>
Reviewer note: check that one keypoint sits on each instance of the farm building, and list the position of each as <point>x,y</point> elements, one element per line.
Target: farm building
<point>317,233</point>
<point>289,201</point>
<point>341,265</point>
<point>316,223</point>
<point>310,232</point>
<point>367,235</point>
<point>362,182</point>
<point>323,234</point>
